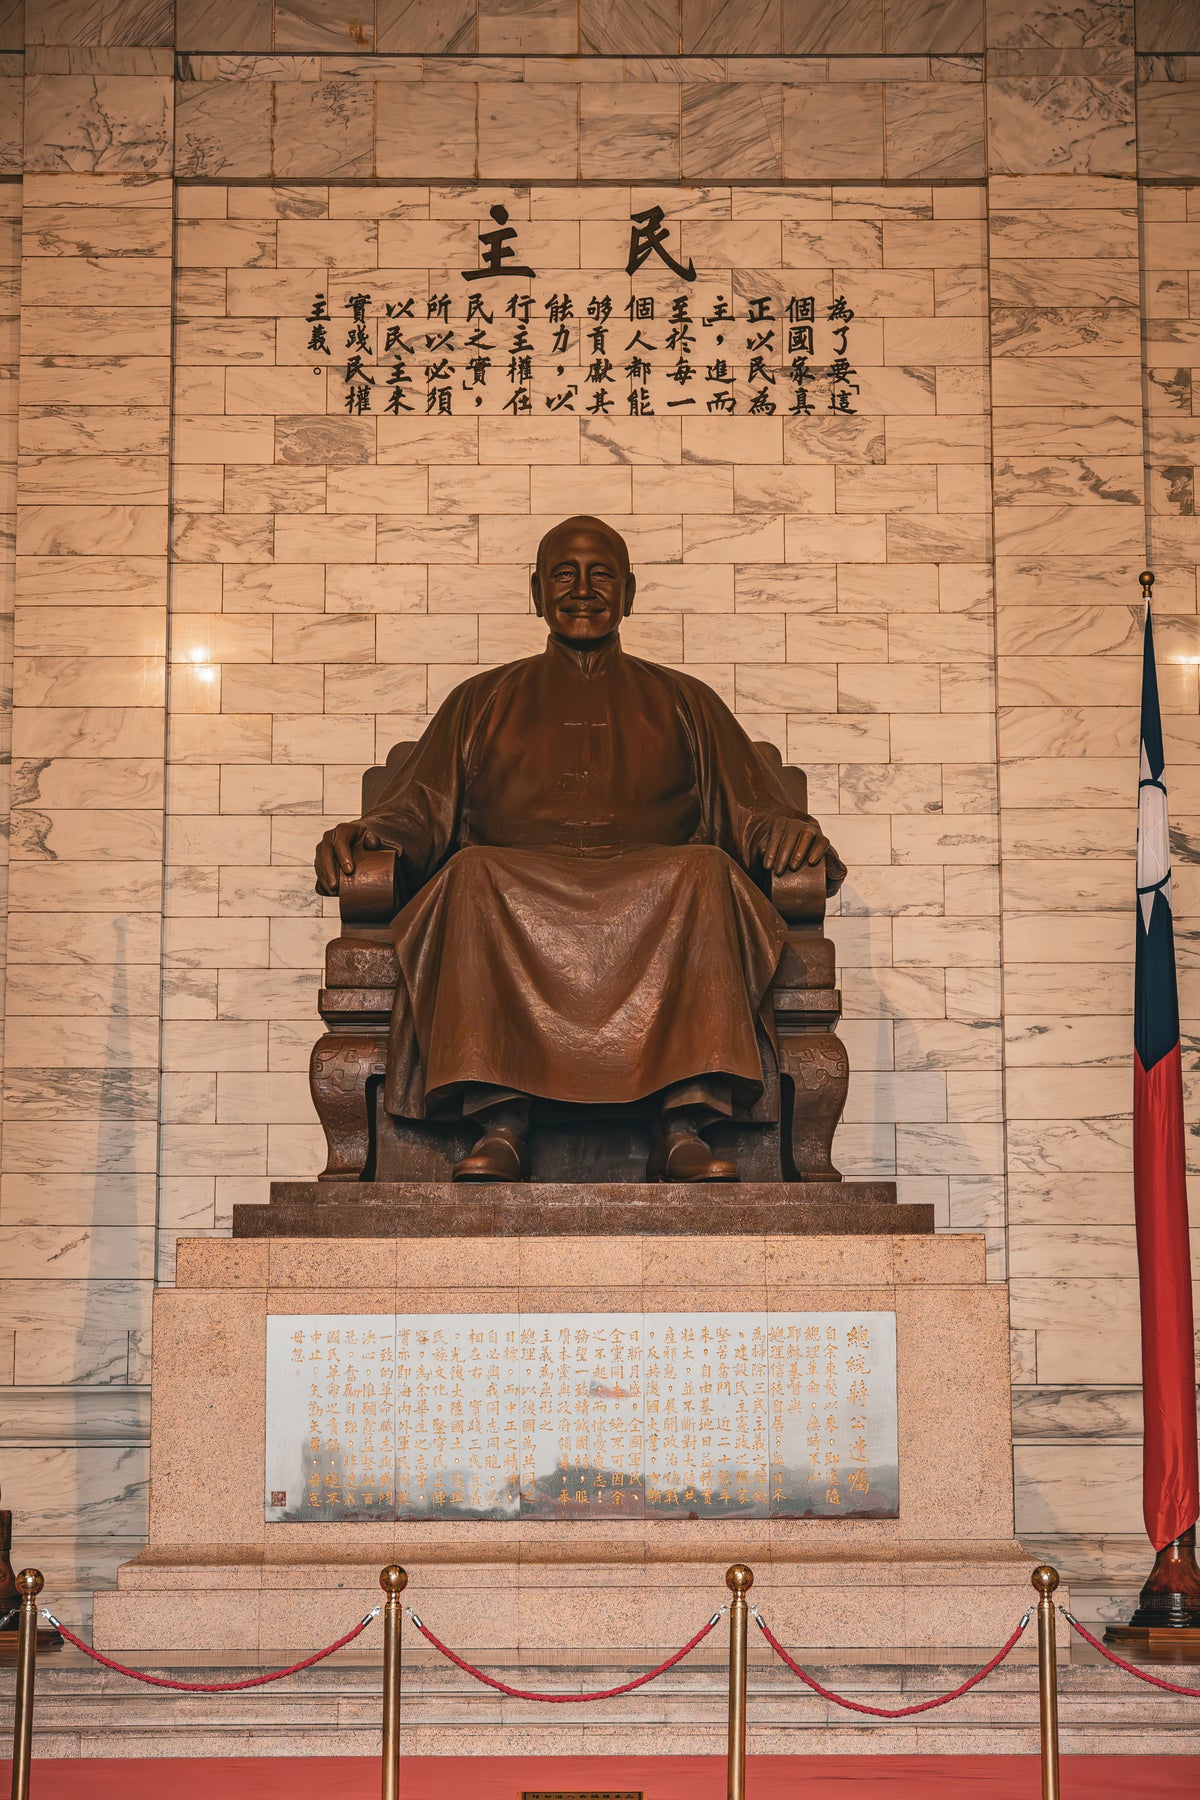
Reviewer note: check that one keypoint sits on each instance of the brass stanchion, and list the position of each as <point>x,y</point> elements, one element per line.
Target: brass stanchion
<point>1045,1580</point>
<point>739,1580</point>
<point>393,1580</point>
<point>29,1586</point>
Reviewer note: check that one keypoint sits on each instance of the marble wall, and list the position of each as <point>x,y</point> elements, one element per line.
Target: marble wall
<point>229,595</point>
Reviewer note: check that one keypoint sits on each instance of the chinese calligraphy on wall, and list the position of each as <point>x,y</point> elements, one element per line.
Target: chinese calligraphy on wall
<point>488,350</point>
<point>553,1416</point>
<point>588,354</point>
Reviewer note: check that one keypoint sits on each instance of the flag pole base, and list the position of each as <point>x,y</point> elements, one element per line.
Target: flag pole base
<point>1168,1613</point>
<point>10,1600</point>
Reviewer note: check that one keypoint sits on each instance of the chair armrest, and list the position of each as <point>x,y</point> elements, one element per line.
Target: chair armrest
<point>372,895</point>
<point>800,894</point>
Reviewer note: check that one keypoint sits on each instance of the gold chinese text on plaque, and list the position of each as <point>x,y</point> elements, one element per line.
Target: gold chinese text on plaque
<point>560,1416</point>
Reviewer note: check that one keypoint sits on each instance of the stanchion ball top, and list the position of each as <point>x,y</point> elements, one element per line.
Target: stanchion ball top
<point>30,1583</point>
<point>739,1578</point>
<point>1044,1578</point>
<point>393,1579</point>
<point>1147,580</point>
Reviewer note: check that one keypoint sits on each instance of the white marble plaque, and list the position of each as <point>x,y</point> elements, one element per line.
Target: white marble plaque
<point>331,1417</point>
<point>581,1415</point>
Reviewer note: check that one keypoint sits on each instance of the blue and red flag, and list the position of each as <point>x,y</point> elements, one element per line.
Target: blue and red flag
<point>1170,1486</point>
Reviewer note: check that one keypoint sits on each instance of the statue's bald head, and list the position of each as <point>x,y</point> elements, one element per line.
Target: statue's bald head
<point>583,523</point>
<point>583,585</point>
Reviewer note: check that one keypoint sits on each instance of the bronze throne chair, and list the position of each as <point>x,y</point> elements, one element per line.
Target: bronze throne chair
<point>787,1136</point>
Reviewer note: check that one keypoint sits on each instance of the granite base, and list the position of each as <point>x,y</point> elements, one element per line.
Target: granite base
<point>333,1710</point>
<point>215,1575</point>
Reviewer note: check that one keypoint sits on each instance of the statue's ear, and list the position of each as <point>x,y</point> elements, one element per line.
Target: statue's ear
<point>535,589</point>
<point>630,591</point>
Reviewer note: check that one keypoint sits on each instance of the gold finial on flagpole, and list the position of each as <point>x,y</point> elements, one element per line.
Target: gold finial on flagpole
<point>1147,580</point>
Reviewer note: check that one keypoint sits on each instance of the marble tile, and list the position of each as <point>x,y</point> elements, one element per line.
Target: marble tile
<point>620,28</point>
<point>1079,480</point>
<point>92,1489</point>
<point>434,26</point>
<point>319,25</point>
<point>816,27</point>
<point>1068,123</point>
<point>1040,24</point>
<point>222,128</point>
<point>1037,382</point>
<point>12,118</point>
<point>833,131</point>
<point>1168,121</point>
<point>732,130</point>
<point>94,479</point>
<point>530,130</point>
<point>1030,281</point>
<point>1064,332</point>
<point>630,130</point>
<point>337,116</point>
<point>101,281</point>
<point>426,130</point>
<point>49,1358</point>
<point>934,130</point>
<point>98,123</point>
<point>1165,26</point>
<point>531,27</point>
<point>230,24</point>
<point>1096,1488</point>
<point>125,22</point>
<point>927,25</point>
<point>76,531</point>
<point>748,28</point>
<point>304,438</point>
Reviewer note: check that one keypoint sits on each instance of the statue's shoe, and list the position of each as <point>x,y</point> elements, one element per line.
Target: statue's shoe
<point>500,1155</point>
<point>688,1158</point>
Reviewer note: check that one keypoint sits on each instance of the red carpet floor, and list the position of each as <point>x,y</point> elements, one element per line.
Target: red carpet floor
<point>661,1778</point>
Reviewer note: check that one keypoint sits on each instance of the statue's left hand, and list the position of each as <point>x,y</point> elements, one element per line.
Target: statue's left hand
<point>790,843</point>
<point>335,853</point>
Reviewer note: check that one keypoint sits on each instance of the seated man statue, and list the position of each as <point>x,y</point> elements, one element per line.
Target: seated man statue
<point>575,830</point>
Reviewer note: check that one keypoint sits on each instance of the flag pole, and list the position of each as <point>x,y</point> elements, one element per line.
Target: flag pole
<point>1167,1618</point>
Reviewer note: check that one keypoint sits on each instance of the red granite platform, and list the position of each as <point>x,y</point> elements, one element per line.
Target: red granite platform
<point>660,1778</point>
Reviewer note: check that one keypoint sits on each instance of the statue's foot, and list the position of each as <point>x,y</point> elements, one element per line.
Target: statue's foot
<point>683,1156</point>
<point>500,1155</point>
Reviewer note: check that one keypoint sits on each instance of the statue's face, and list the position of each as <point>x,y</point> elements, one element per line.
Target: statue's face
<point>583,587</point>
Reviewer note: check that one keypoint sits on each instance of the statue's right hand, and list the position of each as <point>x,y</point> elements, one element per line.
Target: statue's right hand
<point>336,852</point>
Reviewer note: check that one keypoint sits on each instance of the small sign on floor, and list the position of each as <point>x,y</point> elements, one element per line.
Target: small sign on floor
<point>582,1794</point>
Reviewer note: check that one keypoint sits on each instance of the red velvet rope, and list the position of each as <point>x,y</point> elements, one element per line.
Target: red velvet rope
<point>210,1687</point>
<point>884,1712</point>
<point>626,1687</point>
<point>1129,1668</point>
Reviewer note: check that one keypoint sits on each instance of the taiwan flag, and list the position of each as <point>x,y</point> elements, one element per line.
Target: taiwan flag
<point>1170,1493</point>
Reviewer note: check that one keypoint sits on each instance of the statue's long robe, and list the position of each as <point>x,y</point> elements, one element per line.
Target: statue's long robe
<point>574,830</point>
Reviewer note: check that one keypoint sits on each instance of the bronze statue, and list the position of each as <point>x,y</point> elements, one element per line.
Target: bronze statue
<point>579,832</point>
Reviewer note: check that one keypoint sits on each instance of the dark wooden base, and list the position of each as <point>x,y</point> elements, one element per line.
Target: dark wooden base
<point>47,1639</point>
<point>1156,1643</point>
<point>326,1209</point>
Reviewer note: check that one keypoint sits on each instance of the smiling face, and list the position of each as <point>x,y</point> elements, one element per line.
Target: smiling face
<point>583,586</point>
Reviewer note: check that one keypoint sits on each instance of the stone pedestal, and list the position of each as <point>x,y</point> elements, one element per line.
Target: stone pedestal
<point>948,1571</point>
<point>407,1209</point>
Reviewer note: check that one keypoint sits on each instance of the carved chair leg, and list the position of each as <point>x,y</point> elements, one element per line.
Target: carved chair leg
<point>819,1069</point>
<point>341,1067</point>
